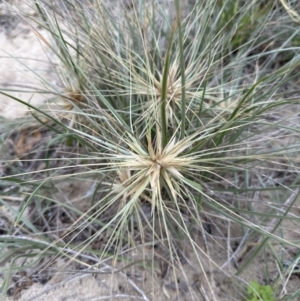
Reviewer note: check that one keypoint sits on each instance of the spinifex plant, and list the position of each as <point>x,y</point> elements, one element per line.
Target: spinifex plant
<point>176,128</point>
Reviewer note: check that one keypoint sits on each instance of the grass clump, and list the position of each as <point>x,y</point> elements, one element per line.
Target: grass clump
<point>174,123</point>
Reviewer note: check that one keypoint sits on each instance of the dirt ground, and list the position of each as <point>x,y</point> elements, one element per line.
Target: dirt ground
<point>21,53</point>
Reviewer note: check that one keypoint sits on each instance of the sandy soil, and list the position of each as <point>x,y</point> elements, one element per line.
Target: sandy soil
<point>21,53</point>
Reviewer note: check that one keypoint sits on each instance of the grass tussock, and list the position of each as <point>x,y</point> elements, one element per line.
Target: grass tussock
<point>171,138</point>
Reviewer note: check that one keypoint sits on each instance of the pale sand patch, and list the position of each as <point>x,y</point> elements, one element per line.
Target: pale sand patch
<point>25,64</point>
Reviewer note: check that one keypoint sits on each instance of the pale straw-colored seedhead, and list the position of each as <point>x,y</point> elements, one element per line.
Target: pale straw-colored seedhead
<point>143,169</point>
<point>151,87</point>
